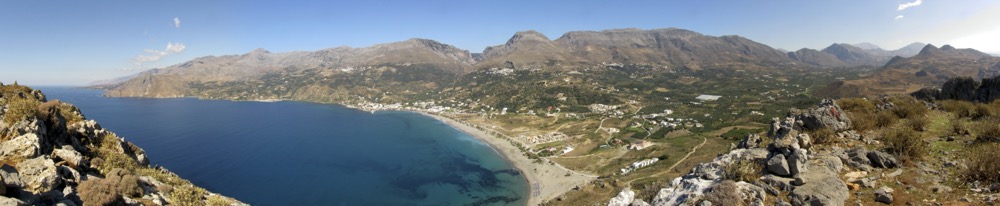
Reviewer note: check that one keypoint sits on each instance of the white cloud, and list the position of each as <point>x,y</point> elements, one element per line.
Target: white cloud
<point>152,55</point>
<point>899,17</point>
<point>909,4</point>
<point>177,22</point>
<point>175,48</point>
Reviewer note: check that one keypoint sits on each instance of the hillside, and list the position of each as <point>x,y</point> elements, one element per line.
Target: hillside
<point>53,155</point>
<point>932,66</point>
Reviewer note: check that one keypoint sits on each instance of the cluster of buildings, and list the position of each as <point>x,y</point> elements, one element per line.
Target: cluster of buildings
<point>543,138</point>
<point>640,164</point>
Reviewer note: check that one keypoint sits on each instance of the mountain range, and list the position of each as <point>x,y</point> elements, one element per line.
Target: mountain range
<point>418,66</point>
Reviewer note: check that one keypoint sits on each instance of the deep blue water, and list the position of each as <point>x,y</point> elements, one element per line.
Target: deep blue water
<point>297,153</point>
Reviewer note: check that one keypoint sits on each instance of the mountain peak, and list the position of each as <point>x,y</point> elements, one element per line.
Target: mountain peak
<point>947,47</point>
<point>529,35</point>
<point>929,49</point>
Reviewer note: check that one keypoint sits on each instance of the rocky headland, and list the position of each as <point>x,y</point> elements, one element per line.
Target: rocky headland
<point>52,155</point>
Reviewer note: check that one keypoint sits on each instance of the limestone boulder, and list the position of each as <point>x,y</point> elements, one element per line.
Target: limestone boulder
<point>39,175</point>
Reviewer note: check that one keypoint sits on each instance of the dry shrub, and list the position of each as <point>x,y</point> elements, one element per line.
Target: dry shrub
<point>918,123</point>
<point>724,193</point>
<point>905,143</point>
<point>985,110</point>
<point>187,195</point>
<point>961,109</point>
<point>983,163</point>
<point>746,170</point>
<point>885,119</point>
<point>110,190</point>
<point>19,109</point>
<point>988,130</point>
<point>958,126</point>
<point>906,107</point>
<point>822,136</point>
<point>858,105</point>
<point>860,111</point>
<point>98,192</point>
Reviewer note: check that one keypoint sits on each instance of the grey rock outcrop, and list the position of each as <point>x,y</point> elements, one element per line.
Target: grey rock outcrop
<point>778,165</point>
<point>884,195</point>
<point>825,115</point>
<point>624,198</point>
<point>39,175</point>
<point>822,187</point>
<point>696,183</point>
<point>69,155</point>
<point>962,88</point>
<point>750,141</point>
<point>24,146</point>
<point>882,159</point>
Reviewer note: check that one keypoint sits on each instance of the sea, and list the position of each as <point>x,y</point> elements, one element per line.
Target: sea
<point>300,153</point>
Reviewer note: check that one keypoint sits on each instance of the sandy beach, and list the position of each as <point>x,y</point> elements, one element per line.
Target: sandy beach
<point>547,180</point>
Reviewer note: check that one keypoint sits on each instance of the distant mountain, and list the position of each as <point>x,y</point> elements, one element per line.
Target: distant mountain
<point>816,58</point>
<point>672,46</point>
<point>855,56</point>
<point>179,80</point>
<point>846,55</point>
<point>931,66</point>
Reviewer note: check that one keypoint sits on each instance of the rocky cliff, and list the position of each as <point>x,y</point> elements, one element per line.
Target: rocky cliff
<point>52,155</point>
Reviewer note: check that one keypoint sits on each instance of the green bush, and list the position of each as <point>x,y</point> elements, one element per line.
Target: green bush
<point>905,143</point>
<point>983,163</point>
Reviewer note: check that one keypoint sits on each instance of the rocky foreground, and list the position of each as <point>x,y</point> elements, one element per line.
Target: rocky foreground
<point>52,155</point>
<point>820,157</point>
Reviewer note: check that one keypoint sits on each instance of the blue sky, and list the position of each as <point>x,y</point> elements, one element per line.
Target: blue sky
<point>77,42</point>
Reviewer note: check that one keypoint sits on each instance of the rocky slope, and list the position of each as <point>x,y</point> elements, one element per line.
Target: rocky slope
<point>52,155</point>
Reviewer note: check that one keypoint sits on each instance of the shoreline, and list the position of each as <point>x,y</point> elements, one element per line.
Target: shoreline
<point>546,181</point>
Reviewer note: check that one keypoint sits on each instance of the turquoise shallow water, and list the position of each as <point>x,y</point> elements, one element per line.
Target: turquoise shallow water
<point>296,153</point>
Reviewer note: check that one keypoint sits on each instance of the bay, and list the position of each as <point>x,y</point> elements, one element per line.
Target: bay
<point>298,153</point>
